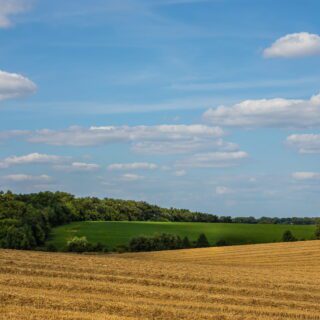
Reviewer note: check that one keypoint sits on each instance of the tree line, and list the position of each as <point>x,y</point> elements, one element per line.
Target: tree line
<point>27,219</point>
<point>157,242</point>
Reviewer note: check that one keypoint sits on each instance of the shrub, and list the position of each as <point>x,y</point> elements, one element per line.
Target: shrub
<point>288,236</point>
<point>317,232</point>
<point>141,243</point>
<point>221,243</point>
<point>186,243</point>
<point>51,248</point>
<point>99,247</point>
<point>79,245</point>
<point>122,248</point>
<point>202,241</point>
<point>159,242</point>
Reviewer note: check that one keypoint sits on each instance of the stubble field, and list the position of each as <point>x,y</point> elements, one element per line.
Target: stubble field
<point>266,281</point>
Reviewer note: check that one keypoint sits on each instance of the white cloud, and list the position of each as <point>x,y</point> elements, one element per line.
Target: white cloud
<point>213,159</point>
<point>77,166</point>
<point>294,45</point>
<point>221,190</point>
<point>77,136</point>
<point>149,139</point>
<point>305,143</point>
<point>27,178</point>
<point>12,7</point>
<point>306,175</point>
<point>14,85</point>
<point>133,166</point>
<point>131,177</point>
<point>30,159</point>
<point>188,145</point>
<point>276,112</point>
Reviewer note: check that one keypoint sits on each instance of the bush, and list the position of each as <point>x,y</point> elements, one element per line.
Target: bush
<point>202,241</point>
<point>99,247</point>
<point>288,236</point>
<point>159,242</point>
<point>186,244</point>
<point>79,245</point>
<point>141,243</point>
<point>121,248</point>
<point>51,248</point>
<point>221,243</point>
<point>317,232</point>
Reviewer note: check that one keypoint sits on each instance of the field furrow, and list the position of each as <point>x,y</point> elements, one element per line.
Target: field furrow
<point>272,281</point>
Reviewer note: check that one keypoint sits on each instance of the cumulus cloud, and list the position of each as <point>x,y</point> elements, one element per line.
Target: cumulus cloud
<point>131,177</point>
<point>14,85</point>
<point>27,178</point>
<point>305,143</point>
<point>213,159</point>
<point>32,158</point>
<point>78,166</point>
<point>276,112</point>
<point>294,45</point>
<point>133,166</point>
<point>306,175</point>
<point>12,7</point>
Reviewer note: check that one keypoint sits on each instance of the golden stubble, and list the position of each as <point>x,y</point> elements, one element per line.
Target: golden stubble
<point>269,281</point>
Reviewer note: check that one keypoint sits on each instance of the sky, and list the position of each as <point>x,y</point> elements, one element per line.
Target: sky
<point>210,105</point>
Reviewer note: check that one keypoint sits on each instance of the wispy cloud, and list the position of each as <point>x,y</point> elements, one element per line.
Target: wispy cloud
<point>133,166</point>
<point>306,175</point>
<point>27,178</point>
<point>213,159</point>
<point>130,177</point>
<point>152,139</point>
<point>240,85</point>
<point>32,158</point>
<point>9,8</point>
<point>77,166</point>
<point>222,190</point>
<point>305,143</point>
<point>178,2</point>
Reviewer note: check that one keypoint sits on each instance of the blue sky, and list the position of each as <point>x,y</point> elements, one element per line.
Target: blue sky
<point>207,105</point>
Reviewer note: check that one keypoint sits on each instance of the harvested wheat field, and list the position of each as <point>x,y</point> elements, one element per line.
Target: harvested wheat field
<point>272,281</point>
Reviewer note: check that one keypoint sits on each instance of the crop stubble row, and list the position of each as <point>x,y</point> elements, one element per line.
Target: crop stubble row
<point>270,281</point>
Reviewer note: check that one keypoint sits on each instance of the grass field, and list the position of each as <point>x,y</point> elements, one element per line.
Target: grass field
<point>252,282</point>
<point>119,233</point>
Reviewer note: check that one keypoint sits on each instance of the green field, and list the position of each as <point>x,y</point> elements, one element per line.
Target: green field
<point>113,233</point>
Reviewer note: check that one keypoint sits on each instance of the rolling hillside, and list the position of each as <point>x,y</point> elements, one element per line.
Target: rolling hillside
<point>113,233</point>
<point>267,282</point>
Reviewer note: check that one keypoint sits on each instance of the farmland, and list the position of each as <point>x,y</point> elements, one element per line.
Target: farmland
<point>113,233</point>
<point>265,281</point>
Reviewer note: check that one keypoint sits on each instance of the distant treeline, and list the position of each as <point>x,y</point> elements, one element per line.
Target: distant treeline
<point>26,219</point>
